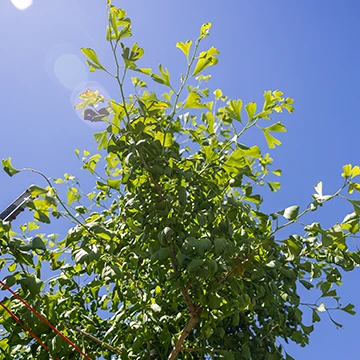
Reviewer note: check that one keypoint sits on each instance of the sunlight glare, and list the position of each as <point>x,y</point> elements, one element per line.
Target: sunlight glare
<point>22,4</point>
<point>74,98</point>
<point>70,70</point>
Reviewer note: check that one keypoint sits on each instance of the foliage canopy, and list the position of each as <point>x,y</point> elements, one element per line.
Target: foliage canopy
<point>171,256</point>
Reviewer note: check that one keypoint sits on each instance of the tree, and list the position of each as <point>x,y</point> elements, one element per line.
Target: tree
<point>171,256</point>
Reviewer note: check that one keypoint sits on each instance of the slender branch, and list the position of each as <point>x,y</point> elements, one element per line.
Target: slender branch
<point>93,338</point>
<point>231,271</point>
<point>184,334</point>
<point>56,195</point>
<point>119,81</point>
<point>184,80</point>
<point>308,209</point>
<point>190,305</point>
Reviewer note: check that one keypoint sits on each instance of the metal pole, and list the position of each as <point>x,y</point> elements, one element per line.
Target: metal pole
<point>16,207</point>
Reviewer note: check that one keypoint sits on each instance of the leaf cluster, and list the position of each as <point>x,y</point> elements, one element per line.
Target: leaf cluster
<point>170,256</point>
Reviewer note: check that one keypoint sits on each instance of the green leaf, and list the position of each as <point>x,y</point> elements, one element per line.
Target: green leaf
<point>220,244</point>
<point>278,127</point>
<point>38,244</point>
<point>37,190</point>
<point>194,264</point>
<point>251,110</point>
<point>203,243</point>
<point>327,240</point>
<point>102,139</point>
<point>271,140</point>
<point>32,284</point>
<point>206,59</point>
<point>164,79</point>
<point>184,47</point>
<point>72,195</point>
<point>12,267</point>
<point>291,212</point>
<point>218,94</point>
<point>130,56</point>
<point>9,169</point>
<point>41,216</point>
<point>214,301</point>
<point>80,256</point>
<point>347,171</point>
<point>306,284</point>
<point>315,316</point>
<point>193,101</point>
<point>94,62</point>
<point>235,161</point>
<point>234,109</point>
<point>356,205</point>
<point>253,152</point>
<point>166,139</point>
<point>205,29</point>
<point>355,171</point>
<point>349,308</point>
<point>114,183</point>
<point>274,185</point>
<point>146,71</point>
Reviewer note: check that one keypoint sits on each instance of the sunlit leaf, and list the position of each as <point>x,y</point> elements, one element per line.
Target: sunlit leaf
<point>184,47</point>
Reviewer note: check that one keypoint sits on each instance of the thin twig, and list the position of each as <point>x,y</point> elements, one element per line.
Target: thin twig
<point>93,338</point>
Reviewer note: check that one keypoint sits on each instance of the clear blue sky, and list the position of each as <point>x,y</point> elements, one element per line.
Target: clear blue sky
<point>308,49</point>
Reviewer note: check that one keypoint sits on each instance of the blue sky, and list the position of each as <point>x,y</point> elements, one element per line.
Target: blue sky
<point>307,49</point>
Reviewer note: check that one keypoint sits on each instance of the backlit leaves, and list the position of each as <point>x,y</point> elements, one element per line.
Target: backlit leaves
<point>173,231</point>
<point>206,59</point>
<point>8,168</point>
<point>184,47</point>
<point>93,61</point>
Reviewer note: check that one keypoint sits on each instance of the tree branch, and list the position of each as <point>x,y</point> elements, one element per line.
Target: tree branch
<point>185,333</point>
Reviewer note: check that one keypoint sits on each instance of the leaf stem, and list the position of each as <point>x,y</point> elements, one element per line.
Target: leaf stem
<point>308,209</point>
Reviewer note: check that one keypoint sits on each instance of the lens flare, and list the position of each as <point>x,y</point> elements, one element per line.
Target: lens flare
<point>70,70</point>
<point>22,4</point>
<point>93,86</point>
<point>65,67</point>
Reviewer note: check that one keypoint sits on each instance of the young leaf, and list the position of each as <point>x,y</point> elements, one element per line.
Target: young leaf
<point>206,59</point>
<point>234,109</point>
<point>271,140</point>
<point>37,190</point>
<point>193,101</point>
<point>8,168</point>
<point>184,47</point>
<point>165,75</point>
<point>205,29</point>
<point>94,62</point>
<point>291,212</point>
<point>347,171</point>
<point>274,185</point>
<point>250,109</point>
<point>164,79</point>
<point>278,127</point>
